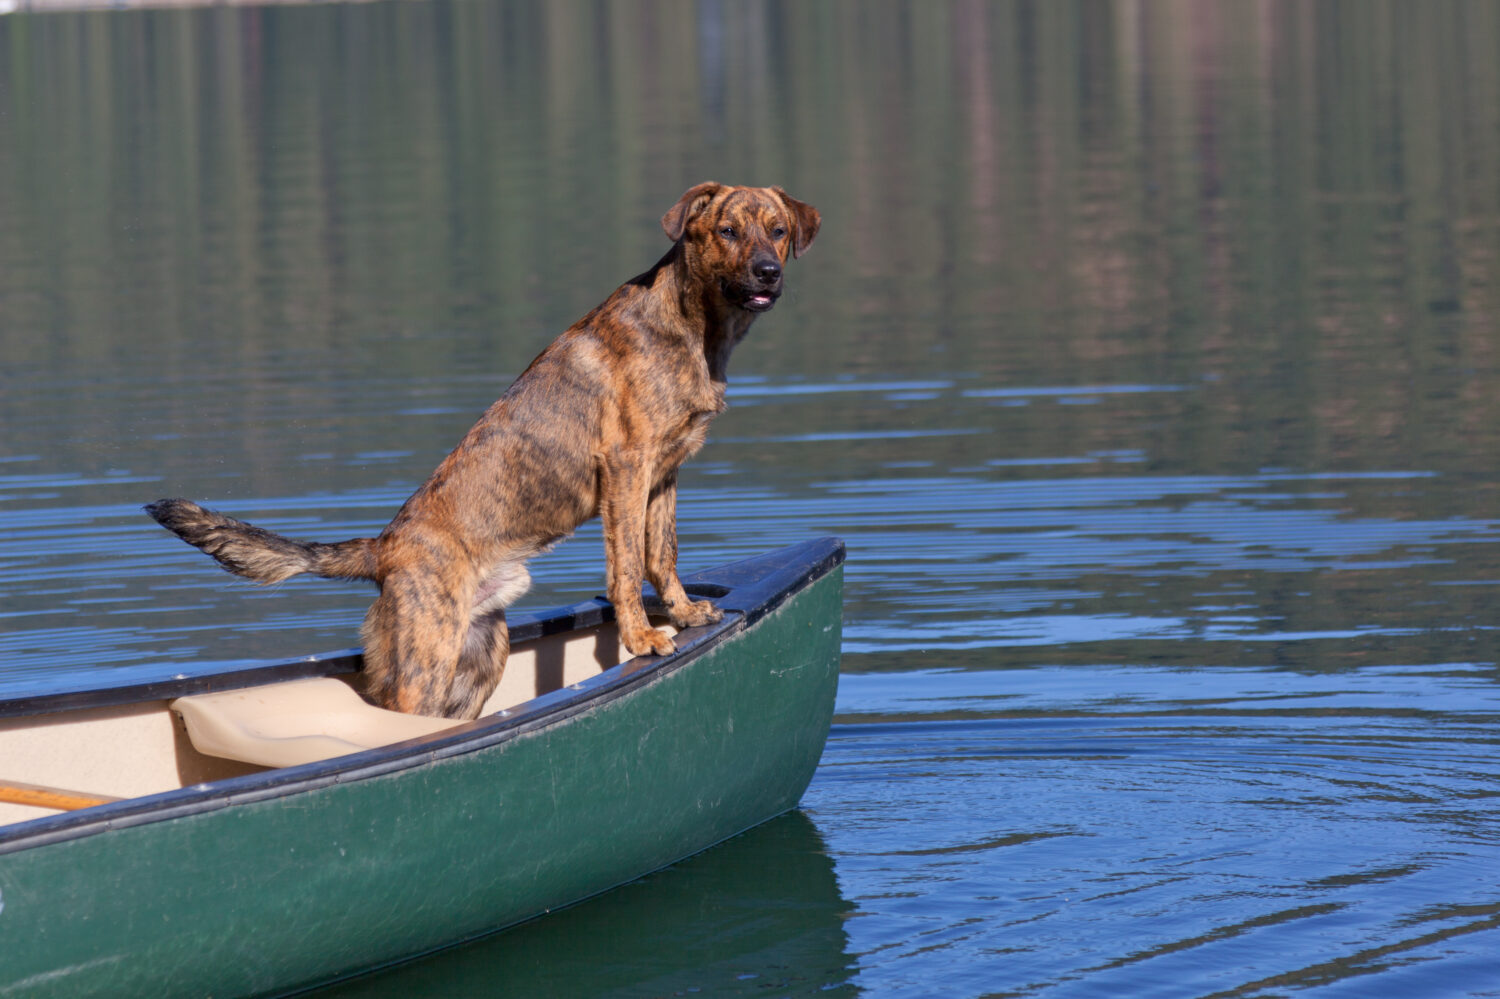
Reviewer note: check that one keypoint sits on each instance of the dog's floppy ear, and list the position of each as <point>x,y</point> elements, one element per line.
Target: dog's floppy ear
<point>693,201</point>
<point>806,219</point>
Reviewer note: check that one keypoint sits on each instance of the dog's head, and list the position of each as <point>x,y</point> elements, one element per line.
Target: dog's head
<point>737,239</point>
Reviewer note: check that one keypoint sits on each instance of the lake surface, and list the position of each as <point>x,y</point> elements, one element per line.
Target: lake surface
<point>1147,361</point>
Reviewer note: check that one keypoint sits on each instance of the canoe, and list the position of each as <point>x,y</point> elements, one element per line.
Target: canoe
<point>264,831</point>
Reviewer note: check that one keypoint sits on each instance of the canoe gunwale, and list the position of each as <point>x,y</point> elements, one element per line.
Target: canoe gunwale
<point>750,589</point>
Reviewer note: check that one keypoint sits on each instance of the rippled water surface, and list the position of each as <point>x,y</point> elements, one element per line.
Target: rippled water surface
<point>1147,361</point>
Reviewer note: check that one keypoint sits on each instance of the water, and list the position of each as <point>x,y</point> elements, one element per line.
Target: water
<point>1147,362</point>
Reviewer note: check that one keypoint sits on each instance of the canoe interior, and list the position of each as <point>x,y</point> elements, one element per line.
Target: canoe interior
<point>135,749</point>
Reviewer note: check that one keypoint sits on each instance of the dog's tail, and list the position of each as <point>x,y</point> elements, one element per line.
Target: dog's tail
<point>258,554</point>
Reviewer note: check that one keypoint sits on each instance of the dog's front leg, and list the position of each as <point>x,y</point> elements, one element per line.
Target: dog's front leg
<point>624,491</point>
<point>661,561</point>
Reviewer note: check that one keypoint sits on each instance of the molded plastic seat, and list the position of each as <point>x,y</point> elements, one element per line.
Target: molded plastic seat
<point>299,721</point>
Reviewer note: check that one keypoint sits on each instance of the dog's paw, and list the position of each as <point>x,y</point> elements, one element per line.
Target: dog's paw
<point>649,641</point>
<point>695,613</point>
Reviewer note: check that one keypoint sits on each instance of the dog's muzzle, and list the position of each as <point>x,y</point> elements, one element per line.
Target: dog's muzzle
<point>763,288</point>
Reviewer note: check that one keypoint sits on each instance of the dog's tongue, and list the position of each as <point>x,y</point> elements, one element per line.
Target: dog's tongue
<point>760,300</point>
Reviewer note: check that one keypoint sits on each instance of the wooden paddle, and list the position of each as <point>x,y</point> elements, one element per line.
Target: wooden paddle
<point>18,793</point>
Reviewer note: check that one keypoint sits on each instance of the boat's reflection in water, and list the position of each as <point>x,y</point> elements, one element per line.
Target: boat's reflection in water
<point>758,915</point>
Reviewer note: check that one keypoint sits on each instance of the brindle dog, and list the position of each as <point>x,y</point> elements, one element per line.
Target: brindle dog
<point>598,424</point>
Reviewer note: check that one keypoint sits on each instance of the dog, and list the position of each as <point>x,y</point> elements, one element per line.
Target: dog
<point>598,424</point>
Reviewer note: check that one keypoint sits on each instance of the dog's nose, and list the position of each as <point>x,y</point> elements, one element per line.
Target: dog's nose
<point>767,270</point>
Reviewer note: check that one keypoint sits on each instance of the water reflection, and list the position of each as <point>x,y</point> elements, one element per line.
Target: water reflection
<point>713,925</point>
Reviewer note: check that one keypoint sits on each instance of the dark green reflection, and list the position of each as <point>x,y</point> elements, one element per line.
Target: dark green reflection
<point>759,913</point>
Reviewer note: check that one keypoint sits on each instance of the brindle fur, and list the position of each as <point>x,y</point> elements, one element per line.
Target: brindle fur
<point>598,424</point>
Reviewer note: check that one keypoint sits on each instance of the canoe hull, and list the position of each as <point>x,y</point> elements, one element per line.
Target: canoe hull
<point>284,887</point>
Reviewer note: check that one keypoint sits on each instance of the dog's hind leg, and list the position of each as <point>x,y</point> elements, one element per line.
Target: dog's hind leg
<point>487,641</point>
<point>414,636</point>
<point>480,665</point>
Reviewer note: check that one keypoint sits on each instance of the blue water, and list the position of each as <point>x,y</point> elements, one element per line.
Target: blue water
<point>1145,361</point>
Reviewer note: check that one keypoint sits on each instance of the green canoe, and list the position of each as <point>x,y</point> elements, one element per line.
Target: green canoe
<point>265,831</point>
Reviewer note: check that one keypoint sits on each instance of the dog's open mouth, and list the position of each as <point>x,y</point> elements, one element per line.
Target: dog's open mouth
<point>751,299</point>
<point>750,296</point>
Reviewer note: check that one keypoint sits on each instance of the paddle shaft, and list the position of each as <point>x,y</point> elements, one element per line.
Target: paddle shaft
<point>38,795</point>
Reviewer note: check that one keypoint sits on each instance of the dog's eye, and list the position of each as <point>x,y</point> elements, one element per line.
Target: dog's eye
<point>727,232</point>
<point>778,232</point>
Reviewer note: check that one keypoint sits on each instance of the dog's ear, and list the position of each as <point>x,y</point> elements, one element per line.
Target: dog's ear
<point>806,220</point>
<point>693,201</point>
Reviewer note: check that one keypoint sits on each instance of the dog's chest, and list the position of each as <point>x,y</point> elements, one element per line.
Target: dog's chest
<point>684,415</point>
<point>684,440</point>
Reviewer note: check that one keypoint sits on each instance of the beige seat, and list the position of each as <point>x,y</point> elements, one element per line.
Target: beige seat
<point>299,721</point>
